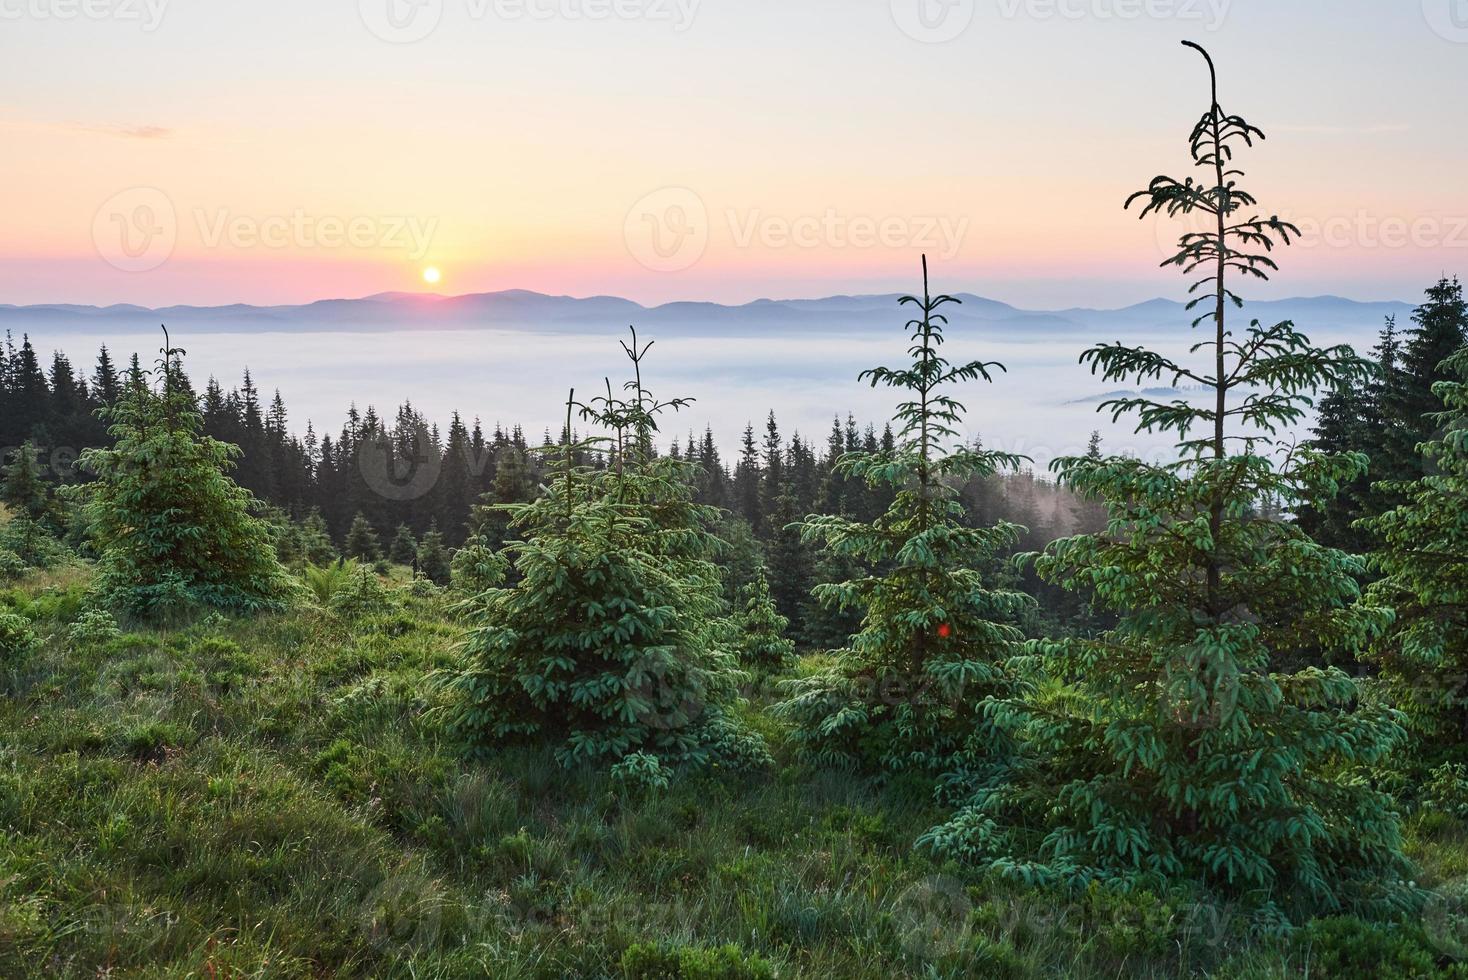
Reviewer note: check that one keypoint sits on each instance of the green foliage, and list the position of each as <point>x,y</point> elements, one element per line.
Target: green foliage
<point>93,628</point>
<point>324,581</point>
<point>24,489</point>
<point>760,630</point>
<point>11,566</point>
<point>1410,400</point>
<point>604,646</point>
<point>302,542</point>
<point>362,543</point>
<point>31,543</point>
<point>404,546</point>
<point>663,961</point>
<point>17,638</point>
<point>477,567</point>
<point>1446,790</point>
<point>284,781</point>
<point>423,588</point>
<point>641,771</point>
<point>316,546</point>
<point>173,531</point>
<point>905,694</point>
<point>1423,563</point>
<point>1344,946</point>
<point>357,592</point>
<point>1176,746</point>
<point>433,558</point>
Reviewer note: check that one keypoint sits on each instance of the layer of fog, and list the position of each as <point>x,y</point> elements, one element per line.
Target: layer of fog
<point>1044,406</point>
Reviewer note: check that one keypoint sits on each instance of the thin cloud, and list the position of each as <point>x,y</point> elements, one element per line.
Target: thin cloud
<point>1316,130</point>
<point>126,132</point>
<point>145,132</point>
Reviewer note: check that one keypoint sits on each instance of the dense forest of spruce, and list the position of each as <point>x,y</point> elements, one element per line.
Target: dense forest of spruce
<point>1233,680</point>
<point>405,473</point>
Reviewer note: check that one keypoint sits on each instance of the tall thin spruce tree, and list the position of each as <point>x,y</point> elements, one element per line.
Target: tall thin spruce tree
<point>1172,748</point>
<point>904,696</point>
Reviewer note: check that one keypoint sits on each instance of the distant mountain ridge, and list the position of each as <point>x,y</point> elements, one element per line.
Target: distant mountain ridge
<point>523,309</point>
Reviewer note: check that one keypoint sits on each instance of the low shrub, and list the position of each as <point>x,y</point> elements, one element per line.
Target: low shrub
<point>17,639</point>
<point>1345,946</point>
<point>94,628</point>
<point>661,961</point>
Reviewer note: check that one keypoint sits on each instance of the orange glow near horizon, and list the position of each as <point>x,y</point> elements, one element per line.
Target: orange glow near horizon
<point>727,160</point>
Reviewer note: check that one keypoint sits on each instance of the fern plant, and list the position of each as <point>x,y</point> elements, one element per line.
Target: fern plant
<point>1173,746</point>
<point>904,696</point>
<point>325,581</point>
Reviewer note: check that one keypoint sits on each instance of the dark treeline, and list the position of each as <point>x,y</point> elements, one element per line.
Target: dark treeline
<point>1390,418</point>
<point>405,472</point>
<point>396,479</point>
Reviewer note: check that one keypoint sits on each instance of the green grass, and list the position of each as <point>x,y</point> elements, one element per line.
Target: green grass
<point>274,798</point>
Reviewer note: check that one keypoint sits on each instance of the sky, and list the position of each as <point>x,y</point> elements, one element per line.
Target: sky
<point>277,151</point>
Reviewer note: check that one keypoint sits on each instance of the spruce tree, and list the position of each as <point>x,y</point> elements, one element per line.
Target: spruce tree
<point>404,547</point>
<point>433,557</point>
<point>1423,563</point>
<point>172,530</point>
<point>24,489</point>
<point>361,542</point>
<point>789,561</point>
<point>1173,747</point>
<point>1411,404</point>
<point>904,696</point>
<point>604,646</point>
<point>316,546</point>
<point>1352,419</point>
<point>760,629</point>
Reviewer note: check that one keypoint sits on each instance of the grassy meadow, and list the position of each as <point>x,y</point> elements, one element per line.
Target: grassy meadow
<point>274,797</point>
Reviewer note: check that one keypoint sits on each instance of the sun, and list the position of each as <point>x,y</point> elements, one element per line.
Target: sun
<point>431,275</point>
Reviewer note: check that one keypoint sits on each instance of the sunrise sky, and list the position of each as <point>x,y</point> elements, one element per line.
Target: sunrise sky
<point>193,151</point>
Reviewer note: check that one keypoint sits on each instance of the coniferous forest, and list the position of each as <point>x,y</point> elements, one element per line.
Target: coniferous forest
<point>442,698</point>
